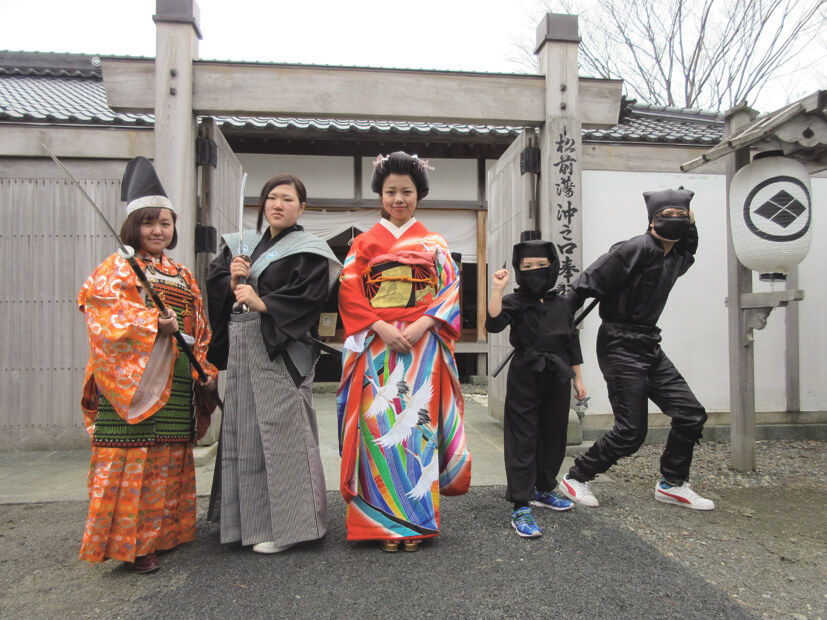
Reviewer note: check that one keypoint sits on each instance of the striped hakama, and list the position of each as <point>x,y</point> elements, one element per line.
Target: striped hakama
<point>272,481</point>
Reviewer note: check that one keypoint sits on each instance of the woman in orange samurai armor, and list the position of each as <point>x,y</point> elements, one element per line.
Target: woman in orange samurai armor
<point>138,399</point>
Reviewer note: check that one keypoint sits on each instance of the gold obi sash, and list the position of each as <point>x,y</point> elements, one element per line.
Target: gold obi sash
<point>401,280</point>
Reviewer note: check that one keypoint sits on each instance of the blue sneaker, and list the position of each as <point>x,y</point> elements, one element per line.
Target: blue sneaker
<point>522,520</point>
<point>553,500</point>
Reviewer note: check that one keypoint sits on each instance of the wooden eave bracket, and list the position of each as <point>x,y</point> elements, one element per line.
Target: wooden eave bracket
<point>772,126</point>
<point>757,308</point>
<point>770,299</point>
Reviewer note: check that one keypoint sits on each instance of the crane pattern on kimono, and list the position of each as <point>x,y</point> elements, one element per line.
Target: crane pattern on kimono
<point>385,394</point>
<point>414,413</point>
<point>428,475</point>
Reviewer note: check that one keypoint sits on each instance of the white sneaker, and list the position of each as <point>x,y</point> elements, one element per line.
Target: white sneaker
<point>682,495</point>
<point>578,492</point>
<point>270,547</point>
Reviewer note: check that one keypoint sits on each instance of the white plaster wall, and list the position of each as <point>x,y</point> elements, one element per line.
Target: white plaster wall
<point>451,179</point>
<point>324,177</point>
<point>332,177</point>
<point>695,320</point>
<point>694,323</point>
<point>812,310</point>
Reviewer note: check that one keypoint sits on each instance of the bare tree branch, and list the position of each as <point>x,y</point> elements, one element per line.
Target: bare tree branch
<point>710,54</point>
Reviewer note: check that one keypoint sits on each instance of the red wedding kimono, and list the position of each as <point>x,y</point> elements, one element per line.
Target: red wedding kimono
<point>400,414</point>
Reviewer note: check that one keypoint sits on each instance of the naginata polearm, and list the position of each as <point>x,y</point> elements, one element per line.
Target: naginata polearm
<point>577,322</point>
<point>128,254</point>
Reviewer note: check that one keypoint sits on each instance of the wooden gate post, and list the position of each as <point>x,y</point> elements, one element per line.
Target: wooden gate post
<point>741,349</point>
<point>561,166</point>
<point>176,45</point>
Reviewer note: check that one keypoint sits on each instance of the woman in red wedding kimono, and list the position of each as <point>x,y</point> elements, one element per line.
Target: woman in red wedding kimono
<point>138,399</point>
<point>399,403</point>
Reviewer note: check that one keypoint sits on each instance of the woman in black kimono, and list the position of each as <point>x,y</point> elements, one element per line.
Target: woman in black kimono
<point>265,293</point>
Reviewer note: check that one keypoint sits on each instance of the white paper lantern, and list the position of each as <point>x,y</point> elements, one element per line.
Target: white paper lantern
<point>770,214</point>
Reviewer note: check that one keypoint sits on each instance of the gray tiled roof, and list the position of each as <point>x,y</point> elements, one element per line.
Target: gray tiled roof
<point>648,123</point>
<point>363,126</point>
<point>68,88</point>
<point>61,99</point>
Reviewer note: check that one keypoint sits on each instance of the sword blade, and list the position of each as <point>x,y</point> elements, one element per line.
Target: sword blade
<point>241,213</point>
<point>128,254</point>
<point>88,198</point>
<point>241,280</point>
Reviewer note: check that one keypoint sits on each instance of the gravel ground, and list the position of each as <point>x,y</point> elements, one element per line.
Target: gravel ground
<point>583,567</point>
<point>766,542</point>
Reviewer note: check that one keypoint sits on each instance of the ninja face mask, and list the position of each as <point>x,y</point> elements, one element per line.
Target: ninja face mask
<point>538,280</point>
<point>669,212</point>
<point>671,228</point>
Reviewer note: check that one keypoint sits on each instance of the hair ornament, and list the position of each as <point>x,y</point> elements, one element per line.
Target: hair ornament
<point>402,163</point>
<point>422,164</point>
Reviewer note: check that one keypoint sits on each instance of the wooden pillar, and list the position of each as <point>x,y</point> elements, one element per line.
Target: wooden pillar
<point>176,45</point>
<point>482,275</point>
<point>741,350</point>
<point>482,255</point>
<point>357,178</point>
<point>791,349</point>
<point>561,196</point>
<point>482,267</point>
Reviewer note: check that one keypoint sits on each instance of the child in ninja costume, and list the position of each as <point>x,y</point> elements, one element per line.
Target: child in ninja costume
<point>538,391</point>
<point>633,281</point>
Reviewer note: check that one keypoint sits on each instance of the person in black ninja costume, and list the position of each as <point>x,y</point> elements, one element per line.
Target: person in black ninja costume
<point>633,281</point>
<point>538,391</point>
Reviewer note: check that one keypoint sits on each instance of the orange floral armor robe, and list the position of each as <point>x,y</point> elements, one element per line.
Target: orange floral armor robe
<point>140,410</point>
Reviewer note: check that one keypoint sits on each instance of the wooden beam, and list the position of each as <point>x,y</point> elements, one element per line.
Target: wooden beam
<point>357,178</point>
<point>792,359</point>
<point>83,142</point>
<point>482,179</point>
<point>636,157</point>
<point>561,147</point>
<point>482,275</point>
<point>741,351</point>
<point>356,143</point>
<point>175,125</point>
<point>248,89</point>
<point>373,203</point>
<point>770,299</point>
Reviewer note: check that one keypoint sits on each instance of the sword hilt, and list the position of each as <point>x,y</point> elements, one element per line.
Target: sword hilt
<point>242,308</point>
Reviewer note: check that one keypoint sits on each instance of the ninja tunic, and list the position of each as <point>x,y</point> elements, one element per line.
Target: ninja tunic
<point>538,391</point>
<point>633,280</point>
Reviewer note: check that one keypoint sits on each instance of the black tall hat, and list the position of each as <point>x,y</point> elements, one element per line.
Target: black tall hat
<point>141,187</point>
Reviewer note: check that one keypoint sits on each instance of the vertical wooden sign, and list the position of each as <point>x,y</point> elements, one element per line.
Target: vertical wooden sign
<point>561,194</point>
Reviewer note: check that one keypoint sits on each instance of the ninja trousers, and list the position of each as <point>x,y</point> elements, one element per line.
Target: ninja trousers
<point>637,369</point>
<point>534,430</point>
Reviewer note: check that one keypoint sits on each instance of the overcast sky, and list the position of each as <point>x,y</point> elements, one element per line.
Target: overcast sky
<point>473,35</point>
<point>457,35</point>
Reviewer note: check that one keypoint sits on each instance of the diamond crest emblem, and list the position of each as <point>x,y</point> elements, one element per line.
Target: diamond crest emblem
<point>783,209</point>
